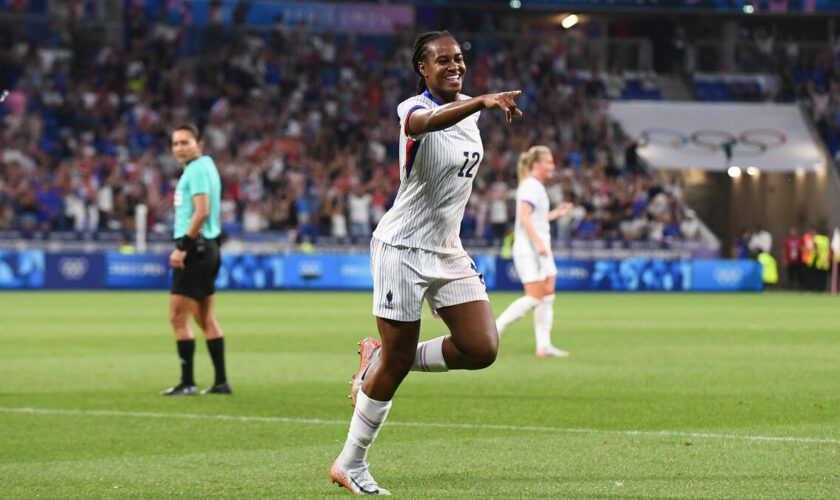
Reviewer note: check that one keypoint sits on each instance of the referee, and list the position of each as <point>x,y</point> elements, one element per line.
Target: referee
<point>196,260</point>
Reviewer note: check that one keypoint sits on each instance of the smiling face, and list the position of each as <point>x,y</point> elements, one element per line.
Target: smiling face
<point>543,167</point>
<point>443,68</point>
<point>184,146</point>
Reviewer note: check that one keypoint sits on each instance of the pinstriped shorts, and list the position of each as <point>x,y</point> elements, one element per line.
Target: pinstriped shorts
<point>403,277</point>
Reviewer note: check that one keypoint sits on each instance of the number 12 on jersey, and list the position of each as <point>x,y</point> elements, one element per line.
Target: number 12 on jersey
<point>475,157</point>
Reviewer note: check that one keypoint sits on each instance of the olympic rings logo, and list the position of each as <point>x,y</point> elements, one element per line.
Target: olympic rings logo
<point>309,270</point>
<point>728,275</point>
<point>707,142</point>
<point>73,269</point>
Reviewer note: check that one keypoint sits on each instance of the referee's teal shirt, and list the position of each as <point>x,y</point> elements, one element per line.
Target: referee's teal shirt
<point>200,177</point>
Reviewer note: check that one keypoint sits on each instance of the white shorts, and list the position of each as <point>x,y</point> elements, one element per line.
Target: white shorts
<point>533,267</point>
<point>403,277</point>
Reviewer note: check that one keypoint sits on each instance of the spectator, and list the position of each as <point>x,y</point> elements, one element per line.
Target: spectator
<point>740,249</point>
<point>760,241</point>
<point>377,204</point>
<point>587,228</point>
<point>359,204</point>
<point>656,228</point>
<point>690,226</point>
<point>105,204</point>
<point>338,219</point>
<point>253,219</point>
<point>499,213</point>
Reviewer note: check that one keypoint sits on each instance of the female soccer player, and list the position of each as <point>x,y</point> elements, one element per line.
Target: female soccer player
<point>532,249</point>
<point>196,260</point>
<point>416,253</point>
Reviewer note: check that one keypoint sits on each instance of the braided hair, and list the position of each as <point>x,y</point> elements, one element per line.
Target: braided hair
<point>419,54</point>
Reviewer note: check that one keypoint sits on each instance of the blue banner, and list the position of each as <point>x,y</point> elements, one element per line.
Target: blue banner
<point>486,265</point>
<point>628,275</point>
<point>76,271</point>
<point>506,276</point>
<point>250,272</point>
<point>24,269</point>
<point>727,276</point>
<point>573,274</point>
<point>35,269</point>
<point>636,275</point>
<point>142,271</point>
<point>327,271</point>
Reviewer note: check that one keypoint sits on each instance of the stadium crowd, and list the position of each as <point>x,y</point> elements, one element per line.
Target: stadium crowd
<point>302,127</point>
<point>819,83</point>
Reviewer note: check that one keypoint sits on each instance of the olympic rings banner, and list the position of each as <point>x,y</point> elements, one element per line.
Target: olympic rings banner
<point>715,136</point>
<point>36,269</point>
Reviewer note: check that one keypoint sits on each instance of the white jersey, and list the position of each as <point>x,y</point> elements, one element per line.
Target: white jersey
<point>533,192</point>
<point>436,177</point>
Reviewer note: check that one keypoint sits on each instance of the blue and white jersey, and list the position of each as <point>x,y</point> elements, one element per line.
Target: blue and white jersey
<point>436,176</point>
<point>533,192</point>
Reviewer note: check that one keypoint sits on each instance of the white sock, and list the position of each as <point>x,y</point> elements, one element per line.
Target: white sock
<point>515,311</point>
<point>543,320</point>
<point>364,426</point>
<point>429,356</point>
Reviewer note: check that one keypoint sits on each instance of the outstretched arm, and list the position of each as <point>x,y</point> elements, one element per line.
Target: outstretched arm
<point>431,120</point>
<point>563,209</point>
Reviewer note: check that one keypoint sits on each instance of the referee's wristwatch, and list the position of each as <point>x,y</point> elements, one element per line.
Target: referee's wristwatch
<point>185,244</point>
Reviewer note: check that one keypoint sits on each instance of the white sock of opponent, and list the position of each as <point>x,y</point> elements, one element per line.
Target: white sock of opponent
<point>543,320</point>
<point>519,308</point>
<point>364,426</point>
<point>429,356</point>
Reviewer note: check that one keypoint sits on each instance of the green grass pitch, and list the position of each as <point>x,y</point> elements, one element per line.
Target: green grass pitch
<point>664,396</point>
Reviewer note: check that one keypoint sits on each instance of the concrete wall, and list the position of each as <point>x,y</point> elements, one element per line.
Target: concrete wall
<point>776,201</point>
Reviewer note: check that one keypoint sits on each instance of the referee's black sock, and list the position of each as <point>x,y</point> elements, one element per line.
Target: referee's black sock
<point>217,353</point>
<point>186,349</point>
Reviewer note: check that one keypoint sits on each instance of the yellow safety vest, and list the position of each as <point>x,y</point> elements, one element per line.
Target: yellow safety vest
<point>823,252</point>
<point>507,246</point>
<point>770,272</point>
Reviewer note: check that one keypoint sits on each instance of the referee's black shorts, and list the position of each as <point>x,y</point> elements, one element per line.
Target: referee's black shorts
<point>198,278</point>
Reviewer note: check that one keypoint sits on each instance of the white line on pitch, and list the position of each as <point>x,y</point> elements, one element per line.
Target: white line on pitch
<point>318,421</point>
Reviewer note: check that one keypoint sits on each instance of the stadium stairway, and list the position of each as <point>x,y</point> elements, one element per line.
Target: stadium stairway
<point>674,89</point>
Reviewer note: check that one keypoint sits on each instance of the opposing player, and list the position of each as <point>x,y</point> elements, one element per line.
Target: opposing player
<point>532,249</point>
<point>196,261</point>
<point>416,252</point>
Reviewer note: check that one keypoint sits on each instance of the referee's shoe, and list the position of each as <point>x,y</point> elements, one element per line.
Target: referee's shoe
<point>223,388</point>
<point>181,390</point>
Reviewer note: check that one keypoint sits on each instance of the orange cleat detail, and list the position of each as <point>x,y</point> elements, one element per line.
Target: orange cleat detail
<point>368,352</point>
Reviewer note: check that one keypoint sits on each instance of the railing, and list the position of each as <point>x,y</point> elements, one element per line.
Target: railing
<point>746,56</point>
<point>267,243</point>
<point>104,26</point>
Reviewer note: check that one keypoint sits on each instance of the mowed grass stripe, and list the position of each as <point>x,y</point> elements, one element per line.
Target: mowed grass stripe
<point>514,428</point>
